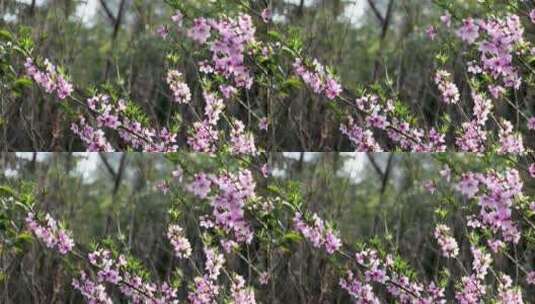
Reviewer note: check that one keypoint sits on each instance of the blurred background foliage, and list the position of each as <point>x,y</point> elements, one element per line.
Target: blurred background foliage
<point>376,199</point>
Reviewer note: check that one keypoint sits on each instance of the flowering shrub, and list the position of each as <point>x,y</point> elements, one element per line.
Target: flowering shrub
<point>485,196</point>
<point>235,57</point>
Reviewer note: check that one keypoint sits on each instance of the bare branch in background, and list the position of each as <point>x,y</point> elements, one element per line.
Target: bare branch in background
<point>376,12</point>
<point>108,11</point>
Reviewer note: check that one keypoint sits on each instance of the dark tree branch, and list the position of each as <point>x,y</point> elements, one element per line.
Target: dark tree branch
<point>32,8</point>
<point>108,11</point>
<point>376,12</point>
<point>384,175</point>
<point>107,165</point>
<point>117,24</point>
<point>375,165</point>
<point>384,30</point>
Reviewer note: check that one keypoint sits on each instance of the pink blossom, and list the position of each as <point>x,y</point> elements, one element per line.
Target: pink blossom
<point>162,31</point>
<point>531,123</point>
<point>263,278</point>
<point>179,242</point>
<point>361,293</point>
<point>95,139</point>
<point>446,19</point>
<point>177,18</point>
<point>240,141</point>
<point>203,137</point>
<point>240,294</point>
<point>332,242</point>
<point>430,186</point>
<point>468,185</point>
<point>509,142</point>
<point>200,186</point>
<point>446,173</point>
<point>200,31</point>
<point>506,292</point>
<point>447,243</point>
<point>50,233</point>
<point>531,170</point>
<point>49,79</point>
<point>317,78</point>
<point>472,137</point>
<point>469,31</point>
<point>362,139</point>
<point>496,245</point>
<point>530,278</point>
<point>263,124</point>
<point>496,91</point>
<point>227,90</point>
<point>265,170</point>
<point>93,292</point>
<point>181,91</point>
<point>213,108</point>
<point>431,32</point>
<point>318,233</point>
<point>267,15</point>
<point>449,91</point>
<point>332,88</point>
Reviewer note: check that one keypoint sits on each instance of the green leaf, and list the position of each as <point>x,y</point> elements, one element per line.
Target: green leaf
<point>7,191</point>
<point>23,237</point>
<point>275,35</point>
<point>22,82</point>
<point>5,35</point>
<point>292,82</point>
<point>292,237</point>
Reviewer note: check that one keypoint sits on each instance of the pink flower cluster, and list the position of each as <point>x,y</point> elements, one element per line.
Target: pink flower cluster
<point>473,136</point>
<point>229,203</point>
<point>469,31</point>
<point>382,117</point>
<point>370,260</point>
<point>507,293</point>
<point>318,79</point>
<point>213,108</point>
<point>397,285</point>
<point>94,138</point>
<point>108,268</point>
<point>49,79</point>
<point>114,271</point>
<point>206,290</point>
<point>472,287</point>
<point>317,233</point>
<point>181,91</point>
<point>448,89</point>
<point>204,135</point>
<point>496,194</point>
<point>93,292</point>
<point>180,243</point>
<point>114,116</point>
<point>361,293</point>
<point>531,123</point>
<point>497,46</point>
<point>509,141</point>
<point>447,243</point>
<point>230,40</point>
<point>50,233</point>
<point>239,293</point>
<point>530,278</point>
<point>141,292</point>
<point>531,170</point>
<point>241,142</point>
<point>362,139</point>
